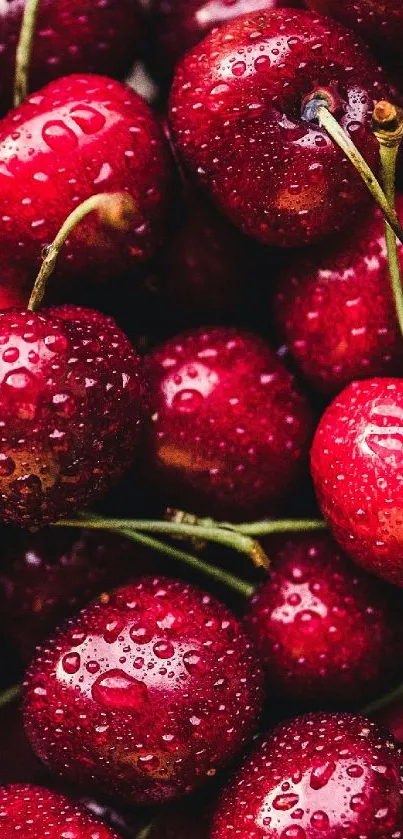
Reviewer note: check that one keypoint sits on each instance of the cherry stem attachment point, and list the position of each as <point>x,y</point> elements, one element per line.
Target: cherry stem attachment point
<point>10,695</point>
<point>343,141</point>
<point>115,209</point>
<point>24,51</point>
<point>388,129</point>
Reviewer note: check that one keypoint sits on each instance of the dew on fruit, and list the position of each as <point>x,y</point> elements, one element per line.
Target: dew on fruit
<point>321,775</point>
<point>71,663</point>
<point>59,137</point>
<point>117,689</point>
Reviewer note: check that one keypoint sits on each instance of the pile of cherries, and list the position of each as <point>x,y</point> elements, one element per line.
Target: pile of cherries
<point>201,422</point>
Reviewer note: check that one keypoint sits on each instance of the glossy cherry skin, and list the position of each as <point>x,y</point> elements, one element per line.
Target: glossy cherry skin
<point>335,311</point>
<point>356,466</point>
<point>329,635</point>
<point>229,431</point>
<point>235,110</point>
<point>72,36</point>
<point>176,26</point>
<point>48,576</point>
<point>321,775</point>
<point>378,24</point>
<point>71,394</point>
<point>145,696</point>
<point>35,812</point>
<point>78,136</point>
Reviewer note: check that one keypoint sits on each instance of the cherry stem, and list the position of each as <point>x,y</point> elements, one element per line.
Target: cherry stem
<point>218,574</point>
<point>145,832</point>
<point>10,695</point>
<point>115,209</point>
<point>220,535</point>
<point>388,129</point>
<point>383,701</point>
<point>342,139</point>
<point>266,527</point>
<point>24,51</point>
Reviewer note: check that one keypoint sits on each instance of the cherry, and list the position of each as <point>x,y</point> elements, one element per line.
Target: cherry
<point>72,36</point>
<point>356,467</point>
<point>35,812</point>
<point>333,775</point>
<point>70,411</point>
<point>78,136</point>
<point>328,634</point>
<point>145,696</point>
<point>239,119</point>
<point>229,431</point>
<point>335,311</point>
<point>377,24</point>
<point>47,576</point>
<point>175,26</point>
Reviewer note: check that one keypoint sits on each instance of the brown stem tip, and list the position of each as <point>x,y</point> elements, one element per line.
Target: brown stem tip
<point>118,210</point>
<point>387,120</point>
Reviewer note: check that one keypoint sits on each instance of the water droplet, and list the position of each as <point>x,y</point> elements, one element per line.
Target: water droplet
<point>140,634</point>
<point>11,354</point>
<point>92,667</point>
<point>286,801</point>
<point>88,119</point>
<point>193,662</point>
<point>71,663</point>
<point>19,380</point>
<point>187,401</point>
<point>56,343</point>
<point>358,802</point>
<point>355,771</point>
<point>307,620</point>
<point>112,631</point>
<point>116,689</point>
<point>58,136</point>
<point>293,832</point>
<point>164,649</point>
<point>320,820</point>
<point>321,775</point>
<point>238,68</point>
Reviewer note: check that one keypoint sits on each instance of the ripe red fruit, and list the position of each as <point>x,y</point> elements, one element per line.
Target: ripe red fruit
<point>78,136</point>
<point>72,36</point>
<point>236,110</point>
<point>47,576</point>
<point>322,775</point>
<point>356,467</point>
<point>35,812</point>
<point>379,24</point>
<point>146,696</point>
<point>328,634</point>
<point>335,311</point>
<point>228,431</point>
<point>177,25</point>
<point>70,411</point>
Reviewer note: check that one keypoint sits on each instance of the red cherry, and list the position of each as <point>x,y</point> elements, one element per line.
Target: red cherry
<point>72,36</point>
<point>322,775</point>
<point>356,466</point>
<point>177,25</point>
<point>146,696</point>
<point>78,136</point>
<point>70,411</point>
<point>35,812</point>
<point>236,111</point>
<point>328,634</point>
<point>229,431</point>
<point>47,576</point>
<point>335,310</point>
<point>379,24</point>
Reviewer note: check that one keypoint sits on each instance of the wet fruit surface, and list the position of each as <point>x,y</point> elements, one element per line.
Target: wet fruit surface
<point>47,576</point>
<point>322,775</point>
<point>335,311</point>
<point>70,411</point>
<point>145,696</point>
<point>72,36</point>
<point>78,136</point>
<point>328,634</point>
<point>35,812</point>
<point>236,109</point>
<point>229,431</point>
<point>379,24</point>
<point>356,467</point>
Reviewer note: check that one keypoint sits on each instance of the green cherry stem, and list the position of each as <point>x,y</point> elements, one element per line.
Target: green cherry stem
<point>229,538</point>
<point>145,832</point>
<point>270,528</point>
<point>388,129</point>
<point>24,51</point>
<point>10,695</point>
<point>115,209</point>
<point>318,108</point>
<point>383,701</point>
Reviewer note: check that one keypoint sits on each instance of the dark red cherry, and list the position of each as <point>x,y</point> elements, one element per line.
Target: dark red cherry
<point>71,393</point>
<point>229,430</point>
<point>35,813</point>
<point>72,36</point>
<point>145,696</point>
<point>379,24</point>
<point>237,111</point>
<point>78,136</point>
<point>328,634</point>
<point>357,457</point>
<point>322,775</point>
<point>334,308</point>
